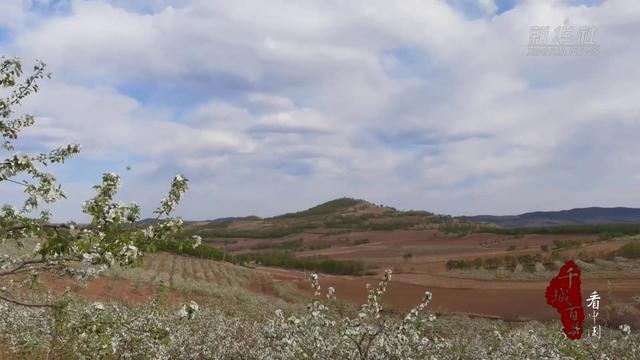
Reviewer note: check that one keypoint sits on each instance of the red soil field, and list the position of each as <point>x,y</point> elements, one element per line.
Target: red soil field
<point>506,299</point>
<point>511,300</point>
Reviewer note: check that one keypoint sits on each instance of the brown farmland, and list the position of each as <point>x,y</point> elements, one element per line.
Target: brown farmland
<point>425,270</point>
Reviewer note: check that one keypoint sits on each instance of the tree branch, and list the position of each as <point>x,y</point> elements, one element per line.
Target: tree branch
<point>27,266</point>
<point>18,302</point>
<point>19,267</point>
<point>16,182</point>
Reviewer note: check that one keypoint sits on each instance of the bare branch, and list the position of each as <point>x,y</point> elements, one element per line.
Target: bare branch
<point>16,182</point>
<point>41,264</point>
<point>18,302</point>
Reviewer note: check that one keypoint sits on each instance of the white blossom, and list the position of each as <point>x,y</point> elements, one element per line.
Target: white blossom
<point>626,329</point>
<point>197,241</point>
<point>148,232</point>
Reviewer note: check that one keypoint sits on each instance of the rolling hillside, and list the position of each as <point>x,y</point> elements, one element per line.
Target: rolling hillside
<point>350,215</point>
<point>335,216</point>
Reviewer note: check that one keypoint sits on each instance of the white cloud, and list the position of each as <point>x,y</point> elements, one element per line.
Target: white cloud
<point>270,101</point>
<point>108,124</point>
<point>303,120</point>
<point>410,103</point>
<point>12,13</point>
<point>489,6</point>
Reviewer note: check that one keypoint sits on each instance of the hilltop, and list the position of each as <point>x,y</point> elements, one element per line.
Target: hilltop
<point>335,216</point>
<point>349,214</point>
<point>337,206</point>
<point>352,215</point>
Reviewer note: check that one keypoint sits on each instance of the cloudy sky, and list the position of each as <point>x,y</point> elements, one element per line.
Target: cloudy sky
<point>275,106</point>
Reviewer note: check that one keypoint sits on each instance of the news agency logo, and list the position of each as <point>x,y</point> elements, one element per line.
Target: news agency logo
<point>563,40</point>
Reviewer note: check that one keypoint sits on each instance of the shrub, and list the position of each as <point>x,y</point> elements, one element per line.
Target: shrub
<point>527,259</point>
<point>319,246</point>
<point>630,250</point>
<point>329,266</point>
<point>566,244</point>
<point>492,263</point>
<point>510,261</point>
<point>457,264</point>
<point>360,242</point>
<point>452,264</point>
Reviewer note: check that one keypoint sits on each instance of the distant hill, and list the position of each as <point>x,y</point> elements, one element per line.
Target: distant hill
<point>146,221</point>
<point>336,206</point>
<point>582,216</point>
<point>153,221</point>
<point>236,218</point>
<point>332,217</point>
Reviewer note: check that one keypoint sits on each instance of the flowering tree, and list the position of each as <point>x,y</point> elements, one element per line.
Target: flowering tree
<point>322,334</point>
<point>82,251</point>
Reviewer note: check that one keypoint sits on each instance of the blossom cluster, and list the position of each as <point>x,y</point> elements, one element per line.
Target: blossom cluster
<point>113,235</point>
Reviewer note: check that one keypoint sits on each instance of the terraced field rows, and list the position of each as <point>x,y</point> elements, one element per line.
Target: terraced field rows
<point>189,273</point>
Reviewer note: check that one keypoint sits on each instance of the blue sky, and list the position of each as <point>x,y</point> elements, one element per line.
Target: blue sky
<point>271,107</point>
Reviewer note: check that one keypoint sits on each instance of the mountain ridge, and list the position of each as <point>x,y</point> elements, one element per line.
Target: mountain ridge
<point>346,206</point>
<point>576,216</point>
